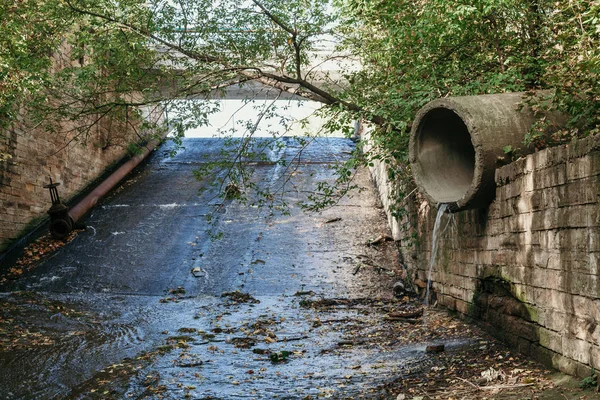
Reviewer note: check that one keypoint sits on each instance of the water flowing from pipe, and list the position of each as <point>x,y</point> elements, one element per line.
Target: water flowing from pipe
<point>434,247</point>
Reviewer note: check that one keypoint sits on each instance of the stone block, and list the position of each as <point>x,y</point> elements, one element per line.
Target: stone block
<point>536,201</point>
<point>594,243</point>
<point>543,355</point>
<point>508,241</point>
<point>527,185</point>
<point>565,365</point>
<point>583,191</point>
<point>559,300</point>
<point>466,270</point>
<point>510,172</point>
<point>583,371</point>
<point>448,301</point>
<point>584,328</point>
<point>505,208</point>
<point>505,257</point>
<point>514,273</point>
<point>548,279</point>
<point>574,239</point>
<point>523,293</point>
<point>525,256</point>
<point>542,159</point>
<point>524,346</point>
<point>582,284</point>
<point>515,188</point>
<point>494,241</point>
<point>581,216</point>
<point>549,177</point>
<point>545,220</point>
<point>539,256</point>
<point>579,168</point>
<point>581,147</point>
<point>459,293</point>
<point>595,161</point>
<point>483,257</point>
<point>595,357</point>
<point>586,307</point>
<point>524,329</point>
<point>555,260</point>
<point>550,197</point>
<point>532,238</point>
<point>462,306</point>
<point>556,320</point>
<point>576,349</point>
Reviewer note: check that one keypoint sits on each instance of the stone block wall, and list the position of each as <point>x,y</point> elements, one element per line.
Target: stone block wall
<point>35,156</point>
<point>528,265</point>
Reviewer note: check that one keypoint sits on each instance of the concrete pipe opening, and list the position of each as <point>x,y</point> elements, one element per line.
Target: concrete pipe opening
<point>456,142</point>
<point>446,155</point>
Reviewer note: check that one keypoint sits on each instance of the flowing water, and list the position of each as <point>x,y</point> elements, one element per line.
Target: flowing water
<point>434,247</point>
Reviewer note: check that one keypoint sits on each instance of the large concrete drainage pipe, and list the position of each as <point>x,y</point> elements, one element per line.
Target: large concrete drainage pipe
<point>455,143</point>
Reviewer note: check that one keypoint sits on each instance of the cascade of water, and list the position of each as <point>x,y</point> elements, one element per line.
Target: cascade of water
<point>434,247</point>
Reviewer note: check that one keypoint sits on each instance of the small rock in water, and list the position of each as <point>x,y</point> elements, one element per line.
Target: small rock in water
<point>434,348</point>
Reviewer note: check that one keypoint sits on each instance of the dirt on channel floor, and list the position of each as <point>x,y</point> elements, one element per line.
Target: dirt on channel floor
<point>298,346</point>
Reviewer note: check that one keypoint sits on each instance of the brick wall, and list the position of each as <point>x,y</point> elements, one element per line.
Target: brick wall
<point>35,156</point>
<point>528,266</point>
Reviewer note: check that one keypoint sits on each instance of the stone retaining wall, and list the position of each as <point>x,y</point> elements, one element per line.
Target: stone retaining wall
<point>528,265</point>
<point>36,156</point>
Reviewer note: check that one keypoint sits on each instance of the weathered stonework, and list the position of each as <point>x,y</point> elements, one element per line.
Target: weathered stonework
<point>36,156</point>
<point>528,265</point>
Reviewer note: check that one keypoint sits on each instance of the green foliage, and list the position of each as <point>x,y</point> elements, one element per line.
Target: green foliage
<point>27,40</point>
<point>415,51</point>
<point>589,381</point>
<point>572,56</point>
<point>111,62</point>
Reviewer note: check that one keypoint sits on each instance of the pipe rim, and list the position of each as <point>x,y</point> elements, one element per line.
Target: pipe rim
<point>450,106</point>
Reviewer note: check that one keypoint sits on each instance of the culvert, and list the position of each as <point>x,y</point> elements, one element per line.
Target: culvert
<point>455,144</point>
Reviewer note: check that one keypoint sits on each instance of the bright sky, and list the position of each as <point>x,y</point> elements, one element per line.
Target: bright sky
<point>234,115</point>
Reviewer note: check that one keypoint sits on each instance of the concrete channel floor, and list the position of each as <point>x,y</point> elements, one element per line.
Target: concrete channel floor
<point>145,303</point>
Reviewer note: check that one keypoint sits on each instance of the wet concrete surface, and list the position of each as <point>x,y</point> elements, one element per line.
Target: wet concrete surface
<point>145,304</point>
<point>146,240</point>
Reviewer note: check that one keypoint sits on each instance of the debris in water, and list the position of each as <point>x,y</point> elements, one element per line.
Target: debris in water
<point>179,290</point>
<point>175,295</point>
<point>243,342</point>
<point>279,356</point>
<point>406,313</point>
<point>35,253</point>
<point>239,297</point>
<point>380,239</point>
<point>304,293</point>
<point>190,364</point>
<point>330,221</point>
<point>366,260</point>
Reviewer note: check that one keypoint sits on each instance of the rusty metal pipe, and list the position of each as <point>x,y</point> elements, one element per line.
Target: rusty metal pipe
<point>62,229</point>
